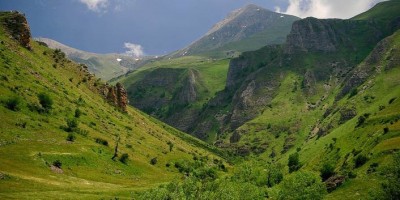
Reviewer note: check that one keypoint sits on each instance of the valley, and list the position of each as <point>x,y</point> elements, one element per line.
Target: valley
<point>263,106</point>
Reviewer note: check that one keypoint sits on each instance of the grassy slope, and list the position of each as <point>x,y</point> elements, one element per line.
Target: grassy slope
<point>30,142</point>
<point>289,109</point>
<point>212,78</point>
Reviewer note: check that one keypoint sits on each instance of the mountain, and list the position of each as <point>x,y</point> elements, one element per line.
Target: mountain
<point>105,66</point>
<point>245,29</point>
<point>177,89</point>
<point>66,134</point>
<point>325,101</point>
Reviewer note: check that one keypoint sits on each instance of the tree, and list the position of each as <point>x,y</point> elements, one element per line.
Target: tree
<point>294,163</point>
<point>124,158</point>
<point>13,103</point>
<point>302,186</point>
<point>326,171</point>
<point>46,101</point>
<point>274,175</point>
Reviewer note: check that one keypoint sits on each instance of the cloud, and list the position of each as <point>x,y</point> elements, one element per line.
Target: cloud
<point>95,5</point>
<point>343,9</point>
<point>134,50</point>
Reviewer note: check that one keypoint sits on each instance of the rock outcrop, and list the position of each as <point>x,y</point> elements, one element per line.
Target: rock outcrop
<point>18,27</point>
<point>117,96</point>
<point>122,97</point>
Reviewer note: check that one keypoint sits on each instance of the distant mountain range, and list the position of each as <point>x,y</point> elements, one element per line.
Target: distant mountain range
<point>105,66</point>
<point>248,28</point>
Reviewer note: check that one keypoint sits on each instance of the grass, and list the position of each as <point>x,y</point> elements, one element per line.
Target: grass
<point>31,141</point>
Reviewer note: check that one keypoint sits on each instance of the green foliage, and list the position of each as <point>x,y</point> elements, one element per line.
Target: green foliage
<point>153,161</point>
<point>327,171</point>
<point>391,187</point>
<point>78,113</point>
<point>72,125</point>
<point>101,141</point>
<point>13,103</point>
<point>57,163</point>
<point>362,119</point>
<point>302,185</point>
<point>124,158</point>
<point>353,92</point>
<point>293,162</point>
<point>193,188</point>
<point>71,137</point>
<point>46,101</point>
<point>170,145</point>
<point>274,175</point>
<point>360,160</point>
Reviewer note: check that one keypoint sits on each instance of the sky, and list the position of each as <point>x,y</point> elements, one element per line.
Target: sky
<point>153,27</point>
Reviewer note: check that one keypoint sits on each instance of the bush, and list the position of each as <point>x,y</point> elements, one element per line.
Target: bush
<point>13,103</point>
<point>57,163</point>
<point>71,137</point>
<point>362,119</point>
<point>78,113</point>
<point>72,125</point>
<point>293,162</point>
<point>302,185</point>
<point>385,130</point>
<point>101,141</point>
<point>326,171</point>
<point>124,158</point>
<point>171,145</point>
<point>274,175</point>
<point>46,101</point>
<point>360,160</point>
<point>153,161</point>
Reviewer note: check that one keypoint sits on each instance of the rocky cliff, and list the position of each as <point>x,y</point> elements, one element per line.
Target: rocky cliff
<point>116,96</point>
<point>321,52</point>
<point>18,27</point>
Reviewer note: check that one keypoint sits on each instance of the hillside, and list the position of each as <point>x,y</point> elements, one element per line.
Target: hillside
<point>248,28</point>
<point>104,66</point>
<point>60,126</point>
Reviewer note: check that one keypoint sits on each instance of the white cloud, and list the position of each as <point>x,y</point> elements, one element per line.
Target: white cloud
<point>134,50</point>
<point>327,8</point>
<point>95,5</point>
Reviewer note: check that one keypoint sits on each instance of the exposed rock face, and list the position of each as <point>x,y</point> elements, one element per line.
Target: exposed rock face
<point>111,96</point>
<point>312,34</point>
<point>117,96</point>
<point>188,92</point>
<point>122,97</point>
<point>19,29</point>
<point>333,182</point>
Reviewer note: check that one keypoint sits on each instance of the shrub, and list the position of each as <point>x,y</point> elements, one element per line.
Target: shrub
<point>293,162</point>
<point>101,141</point>
<point>362,119</point>
<point>71,137</point>
<point>274,175</point>
<point>353,92</point>
<point>360,160</point>
<point>57,163</point>
<point>78,113</point>
<point>171,145</point>
<point>385,130</point>
<point>326,171</point>
<point>302,185</point>
<point>72,124</point>
<point>124,158</point>
<point>46,101</point>
<point>13,103</point>
<point>153,161</point>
